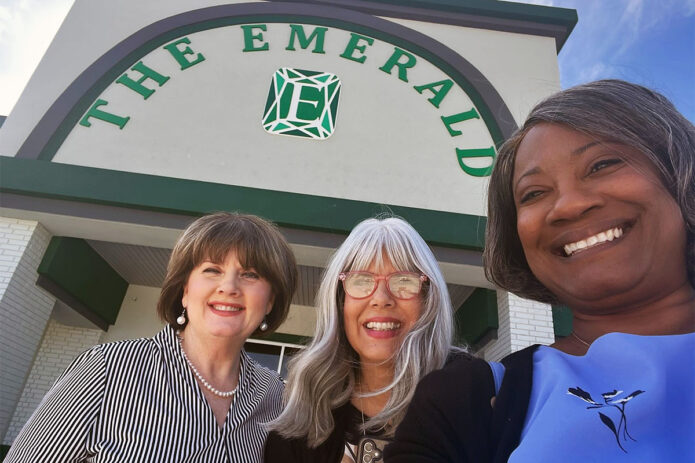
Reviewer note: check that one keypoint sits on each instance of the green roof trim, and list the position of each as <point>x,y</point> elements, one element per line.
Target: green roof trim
<point>77,275</point>
<point>476,317</point>
<point>193,198</point>
<point>562,321</point>
<point>551,15</point>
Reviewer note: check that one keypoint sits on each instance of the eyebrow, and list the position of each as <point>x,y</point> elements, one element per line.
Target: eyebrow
<point>575,152</point>
<point>532,171</point>
<point>582,149</point>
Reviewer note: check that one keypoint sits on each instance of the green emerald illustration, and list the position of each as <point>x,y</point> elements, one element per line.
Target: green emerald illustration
<point>302,103</point>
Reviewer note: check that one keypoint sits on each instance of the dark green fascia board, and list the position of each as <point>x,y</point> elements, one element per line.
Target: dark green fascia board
<point>562,321</point>
<point>477,316</point>
<point>563,17</point>
<point>76,272</point>
<point>53,180</point>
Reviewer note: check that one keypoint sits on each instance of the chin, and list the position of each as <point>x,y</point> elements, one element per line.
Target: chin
<point>379,359</point>
<point>225,331</point>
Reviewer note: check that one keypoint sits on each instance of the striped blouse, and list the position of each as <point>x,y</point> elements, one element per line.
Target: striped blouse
<point>138,401</point>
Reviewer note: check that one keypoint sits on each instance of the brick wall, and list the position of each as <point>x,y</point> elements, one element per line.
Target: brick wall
<point>531,322</point>
<point>60,345</point>
<point>25,308</point>
<point>522,322</point>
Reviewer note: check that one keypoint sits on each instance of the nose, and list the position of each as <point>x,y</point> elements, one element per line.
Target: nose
<point>228,285</point>
<point>381,297</point>
<point>573,201</point>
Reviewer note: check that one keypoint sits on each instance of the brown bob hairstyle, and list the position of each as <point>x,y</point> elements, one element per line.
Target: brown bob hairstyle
<point>258,245</point>
<point>608,110</point>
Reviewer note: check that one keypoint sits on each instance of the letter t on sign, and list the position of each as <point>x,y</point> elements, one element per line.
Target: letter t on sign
<point>96,113</point>
<point>137,85</point>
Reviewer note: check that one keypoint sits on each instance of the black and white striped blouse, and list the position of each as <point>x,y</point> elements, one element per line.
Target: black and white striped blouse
<point>137,401</point>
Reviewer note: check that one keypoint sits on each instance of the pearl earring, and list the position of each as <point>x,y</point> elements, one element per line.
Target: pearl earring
<point>264,326</point>
<point>181,320</point>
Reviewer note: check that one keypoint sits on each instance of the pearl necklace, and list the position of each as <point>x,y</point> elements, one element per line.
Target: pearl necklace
<point>200,377</point>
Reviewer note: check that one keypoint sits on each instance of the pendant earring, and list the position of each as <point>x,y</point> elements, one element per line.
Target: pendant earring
<point>264,325</point>
<point>181,320</point>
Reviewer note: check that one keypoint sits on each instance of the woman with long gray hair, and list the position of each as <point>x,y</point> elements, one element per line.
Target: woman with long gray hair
<point>384,321</point>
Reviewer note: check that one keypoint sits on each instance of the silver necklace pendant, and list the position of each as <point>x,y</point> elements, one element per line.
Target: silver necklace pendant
<point>207,385</point>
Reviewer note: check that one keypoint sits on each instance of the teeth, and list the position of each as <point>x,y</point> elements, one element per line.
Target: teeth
<point>226,308</point>
<point>608,235</point>
<point>383,326</point>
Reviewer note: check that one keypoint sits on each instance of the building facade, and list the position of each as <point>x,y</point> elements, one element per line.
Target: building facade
<point>316,115</point>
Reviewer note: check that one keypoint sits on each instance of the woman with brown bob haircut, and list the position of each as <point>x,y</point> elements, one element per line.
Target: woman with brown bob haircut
<point>191,393</point>
<point>592,206</point>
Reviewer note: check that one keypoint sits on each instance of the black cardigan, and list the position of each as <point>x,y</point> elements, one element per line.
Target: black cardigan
<point>450,418</point>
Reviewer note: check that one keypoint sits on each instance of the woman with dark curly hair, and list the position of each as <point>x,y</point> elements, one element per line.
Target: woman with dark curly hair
<point>591,205</point>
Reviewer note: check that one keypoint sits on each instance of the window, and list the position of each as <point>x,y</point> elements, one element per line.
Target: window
<point>271,354</point>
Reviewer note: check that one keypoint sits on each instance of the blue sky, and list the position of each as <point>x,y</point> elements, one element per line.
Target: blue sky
<point>650,42</point>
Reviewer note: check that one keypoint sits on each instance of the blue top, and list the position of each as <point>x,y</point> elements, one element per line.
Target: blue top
<point>630,398</point>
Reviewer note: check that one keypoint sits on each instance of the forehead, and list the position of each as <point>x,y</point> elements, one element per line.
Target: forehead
<point>555,150</point>
<point>382,265</point>
<point>550,144</point>
<point>220,254</point>
<point>379,263</point>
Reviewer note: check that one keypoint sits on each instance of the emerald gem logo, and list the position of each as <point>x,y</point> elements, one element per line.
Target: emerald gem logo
<point>302,103</point>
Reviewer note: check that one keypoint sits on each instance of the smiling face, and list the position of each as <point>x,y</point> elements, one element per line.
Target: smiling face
<point>223,299</point>
<point>375,326</point>
<point>597,226</point>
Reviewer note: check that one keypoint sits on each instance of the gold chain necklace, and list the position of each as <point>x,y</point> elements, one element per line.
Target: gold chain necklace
<point>576,336</point>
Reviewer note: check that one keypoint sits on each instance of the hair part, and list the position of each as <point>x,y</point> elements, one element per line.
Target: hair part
<point>608,110</point>
<point>258,244</point>
<point>324,376</point>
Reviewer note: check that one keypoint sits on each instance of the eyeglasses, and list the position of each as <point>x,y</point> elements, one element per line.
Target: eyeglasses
<point>401,285</point>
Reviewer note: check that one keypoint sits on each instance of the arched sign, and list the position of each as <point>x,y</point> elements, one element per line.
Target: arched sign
<point>368,109</point>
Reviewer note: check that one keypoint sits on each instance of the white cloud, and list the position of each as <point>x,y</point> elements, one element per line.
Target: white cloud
<point>26,29</point>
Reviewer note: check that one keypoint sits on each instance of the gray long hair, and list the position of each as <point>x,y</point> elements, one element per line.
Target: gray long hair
<point>323,376</point>
<point>609,110</point>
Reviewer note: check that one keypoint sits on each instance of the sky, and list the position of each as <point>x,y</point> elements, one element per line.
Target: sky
<point>649,42</point>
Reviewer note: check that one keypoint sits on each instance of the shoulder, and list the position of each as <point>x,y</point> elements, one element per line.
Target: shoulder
<point>261,386</point>
<point>461,371</point>
<point>522,358</point>
<point>458,392</point>
<point>134,357</point>
<point>131,353</point>
<point>448,418</point>
<point>262,376</point>
<point>128,347</point>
